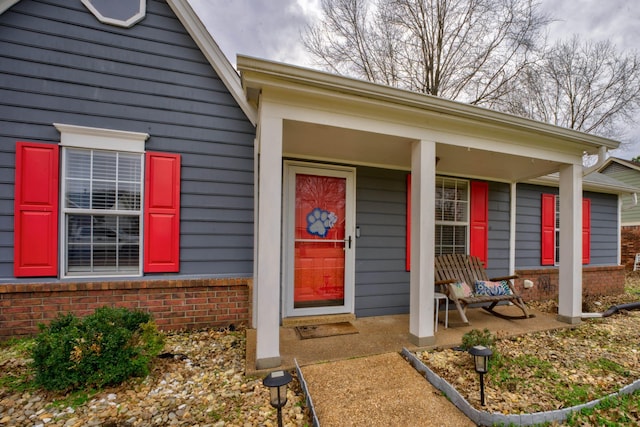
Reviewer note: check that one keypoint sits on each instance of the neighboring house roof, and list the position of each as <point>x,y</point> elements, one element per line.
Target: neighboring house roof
<point>595,181</point>
<point>207,45</point>
<point>629,173</point>
<point>626,163</point>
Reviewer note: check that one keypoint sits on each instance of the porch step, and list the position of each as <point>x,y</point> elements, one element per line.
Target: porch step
<point>290,322</point>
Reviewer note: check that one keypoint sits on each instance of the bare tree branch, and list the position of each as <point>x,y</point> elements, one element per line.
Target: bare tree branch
<point>585,86</point>
<point>468,50</point>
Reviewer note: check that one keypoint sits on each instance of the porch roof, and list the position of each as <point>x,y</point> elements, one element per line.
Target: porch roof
<point>367,123</point>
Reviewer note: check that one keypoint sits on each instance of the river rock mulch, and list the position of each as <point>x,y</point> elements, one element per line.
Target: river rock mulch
<point>199,381</point>
<point>550,370</point>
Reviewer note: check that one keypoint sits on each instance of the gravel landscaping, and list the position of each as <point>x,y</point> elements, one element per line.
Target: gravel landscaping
<point>546,371</point>
<point>200,381</point>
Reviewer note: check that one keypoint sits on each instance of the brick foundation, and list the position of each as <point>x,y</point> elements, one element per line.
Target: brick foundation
<point>174,304</point>
<point>629,245</point>
<point>607,280</point>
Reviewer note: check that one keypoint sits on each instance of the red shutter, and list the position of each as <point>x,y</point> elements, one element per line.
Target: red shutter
<point>408,231</point>
<point>162,213</point>
<point>548,219</point>
<point>479,221</point>
<point>586,231</point>
<point>35,243</point>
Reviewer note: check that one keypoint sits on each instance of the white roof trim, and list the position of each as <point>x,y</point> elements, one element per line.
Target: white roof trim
<point>6,4</point>
<point>610,188</point>
<point>258,72</point>
<point>214,55</point>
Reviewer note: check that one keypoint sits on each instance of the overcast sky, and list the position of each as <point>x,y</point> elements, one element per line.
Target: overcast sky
<point>270,29</point>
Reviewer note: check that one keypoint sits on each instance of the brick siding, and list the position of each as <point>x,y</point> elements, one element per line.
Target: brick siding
<point>174,304</point>
<point>629,245</point>
<point>608,280</point>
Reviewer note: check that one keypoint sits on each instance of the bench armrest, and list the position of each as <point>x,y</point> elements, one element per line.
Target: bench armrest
<point>498,279</point>
<point>445,281</point>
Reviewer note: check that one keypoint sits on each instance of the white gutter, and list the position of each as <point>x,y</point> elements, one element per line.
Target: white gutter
<point>257,72</point>
<point>602,157</point>
<point>634,202</point>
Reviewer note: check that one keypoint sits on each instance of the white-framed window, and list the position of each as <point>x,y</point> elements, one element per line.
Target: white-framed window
<point>451,216</point>
<point>101,202</point>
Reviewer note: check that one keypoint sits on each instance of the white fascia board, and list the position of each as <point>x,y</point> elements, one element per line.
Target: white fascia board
<point>263,71</point>
<point>214,55</point>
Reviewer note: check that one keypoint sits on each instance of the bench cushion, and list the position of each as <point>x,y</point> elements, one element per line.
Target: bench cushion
<point>489,288</point>
<point>461,290</point>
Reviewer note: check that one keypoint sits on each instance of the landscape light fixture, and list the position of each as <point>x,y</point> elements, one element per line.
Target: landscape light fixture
<point>481,355</point>
<point>277,382</point>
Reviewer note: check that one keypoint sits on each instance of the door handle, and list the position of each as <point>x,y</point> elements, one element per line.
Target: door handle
<point>348,240</point>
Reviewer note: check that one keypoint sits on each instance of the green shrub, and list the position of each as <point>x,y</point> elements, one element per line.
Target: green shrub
<point>476,337</point>
<point>105,348</point>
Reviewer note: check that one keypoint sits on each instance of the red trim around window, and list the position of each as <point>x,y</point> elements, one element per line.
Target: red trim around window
<point>586,231</point>
<point>548,220</point>
<point>162,213</point>
<point>36,210</point>
<point>479,221</point>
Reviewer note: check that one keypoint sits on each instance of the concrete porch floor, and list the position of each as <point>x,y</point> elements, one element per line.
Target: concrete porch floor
<point>384,334</point>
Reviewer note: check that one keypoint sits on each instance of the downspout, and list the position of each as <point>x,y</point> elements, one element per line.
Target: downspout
<point>612,310</point>
<point>602,157</point>
<point>634,202</point>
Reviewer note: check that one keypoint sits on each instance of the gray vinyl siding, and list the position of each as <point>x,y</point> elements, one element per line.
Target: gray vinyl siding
<point>499,206</point>
<point>59,64</point>
<point>382,283</point>
<point>604,226</point>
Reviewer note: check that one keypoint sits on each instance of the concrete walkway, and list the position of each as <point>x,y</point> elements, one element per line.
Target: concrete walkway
<point>356,379</point>
<point>383,390</point>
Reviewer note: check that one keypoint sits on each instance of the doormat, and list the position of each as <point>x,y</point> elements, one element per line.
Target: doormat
<point>326,330</point>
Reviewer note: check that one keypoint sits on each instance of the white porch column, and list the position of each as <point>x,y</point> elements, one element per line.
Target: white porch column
<point>269,236</point>
<point>421,308</point>
<point>570,271</point>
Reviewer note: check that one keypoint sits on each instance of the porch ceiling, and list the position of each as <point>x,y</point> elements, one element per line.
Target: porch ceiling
<point>327,143</point>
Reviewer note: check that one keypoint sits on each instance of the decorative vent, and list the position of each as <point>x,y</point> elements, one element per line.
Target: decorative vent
<point>122,13</point>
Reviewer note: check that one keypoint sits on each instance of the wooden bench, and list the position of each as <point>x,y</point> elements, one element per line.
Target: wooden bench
<point>452,268</point>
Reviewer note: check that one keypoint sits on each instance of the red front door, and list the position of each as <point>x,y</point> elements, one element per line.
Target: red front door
<point>319,241</point>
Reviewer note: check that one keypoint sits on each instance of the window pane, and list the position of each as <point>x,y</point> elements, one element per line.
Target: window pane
<point>104,195</point>
<point>78,192</point>
<point>461,211</point>
<point>129,168</point>
<point>102,243</point>
<point>104,165</point>
<point>78,164</point>
<point>128,197</point>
